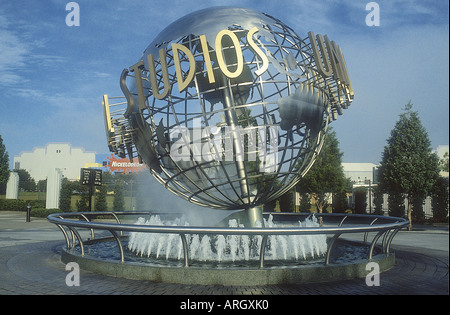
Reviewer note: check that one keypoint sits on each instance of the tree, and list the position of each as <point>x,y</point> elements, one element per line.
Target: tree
<point>360,194</point>
<point>340,202</point>
<point>378,201</point>
<point>100,199</point>
<point>270,206</point>
<point>65,195</point>
<point>83,190</point>
<point>439,199</point>
<point>326,176</point>
<point>417,202</point>
<point>443,163</point>
<point>408,166</point>
<point>4,163</point>
<point>305,202</point>
<point>396,204</point>
<point>26,182</point>
<point>119,202</point>
<point>42,185</point>
<point>286,201</point>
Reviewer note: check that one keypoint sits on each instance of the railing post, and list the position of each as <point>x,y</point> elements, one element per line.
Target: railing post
<point>122,258</point>
<point>185,250</point>
<point>80,241</point>
<point>65,236</point>
<point>330,247</point>
<point>262,250</point>
<point>388,245</point>
<point>117,220</point>
<point>342,221</point>
<point>384,241</point>
<point>87,220</point>
<point>367,233</point>
<point>374,241</point>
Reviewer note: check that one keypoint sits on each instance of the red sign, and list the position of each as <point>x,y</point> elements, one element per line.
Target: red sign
<point>123,165</point>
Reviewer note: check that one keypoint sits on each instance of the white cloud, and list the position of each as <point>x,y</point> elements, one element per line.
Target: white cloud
<point>18,52</point>
<point>13,54</point>
<point>9,78</point>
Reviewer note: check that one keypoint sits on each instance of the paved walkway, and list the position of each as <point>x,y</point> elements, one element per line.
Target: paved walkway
<point>30,264</point>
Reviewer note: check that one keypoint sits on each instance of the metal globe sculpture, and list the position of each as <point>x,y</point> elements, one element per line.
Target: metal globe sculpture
<point>229,107</point>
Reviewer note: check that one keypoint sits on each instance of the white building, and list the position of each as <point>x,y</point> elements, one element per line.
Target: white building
<point>442,152</point>
<point>359,172</point>
<point>63,156</point>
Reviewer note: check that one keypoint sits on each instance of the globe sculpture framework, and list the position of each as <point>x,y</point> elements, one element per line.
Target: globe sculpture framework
<point>229,107</point>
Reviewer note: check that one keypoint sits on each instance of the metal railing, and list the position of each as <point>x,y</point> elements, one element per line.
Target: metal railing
<point>333,224</point>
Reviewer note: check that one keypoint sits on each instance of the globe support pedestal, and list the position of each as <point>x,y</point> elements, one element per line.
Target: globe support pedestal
<point>247,217</point>
<point>253,215</point>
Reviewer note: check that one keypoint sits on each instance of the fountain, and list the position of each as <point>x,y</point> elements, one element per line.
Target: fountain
<point>230,248</point>
<point>228,108</point>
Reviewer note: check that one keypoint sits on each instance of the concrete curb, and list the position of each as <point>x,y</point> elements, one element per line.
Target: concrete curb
<point>230,276</point>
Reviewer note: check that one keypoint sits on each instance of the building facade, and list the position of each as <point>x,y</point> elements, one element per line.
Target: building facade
<point>41,161</point>
<point>360,173</point>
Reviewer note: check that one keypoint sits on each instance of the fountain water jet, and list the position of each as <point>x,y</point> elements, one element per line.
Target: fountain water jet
<point>233,248</point>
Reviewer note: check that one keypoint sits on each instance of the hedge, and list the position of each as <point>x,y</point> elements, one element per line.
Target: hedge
<point>20,205</point>
<point>42,212</point>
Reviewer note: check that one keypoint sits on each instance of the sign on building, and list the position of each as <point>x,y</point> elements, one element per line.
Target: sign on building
<point>123,165</point>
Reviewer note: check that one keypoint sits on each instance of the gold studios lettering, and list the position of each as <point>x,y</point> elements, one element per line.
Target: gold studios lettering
<point>328,57</point>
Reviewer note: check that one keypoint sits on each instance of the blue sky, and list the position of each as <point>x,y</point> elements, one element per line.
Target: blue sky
<point>52,76</point>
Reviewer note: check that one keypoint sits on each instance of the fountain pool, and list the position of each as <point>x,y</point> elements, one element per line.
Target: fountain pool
<point>290,248</point>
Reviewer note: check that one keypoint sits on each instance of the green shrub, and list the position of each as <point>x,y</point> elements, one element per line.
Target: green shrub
<point>287,202</point>
<point>340,202</point>
<point>396,204</point>
<point>42,212</point>
<point>13,205</point>
<point>440,200</point>
<point>360,195</point>
<point>20,205</point>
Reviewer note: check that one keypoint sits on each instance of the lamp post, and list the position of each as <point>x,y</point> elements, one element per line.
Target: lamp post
<point>28,213</point>
<point>368,181</point>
